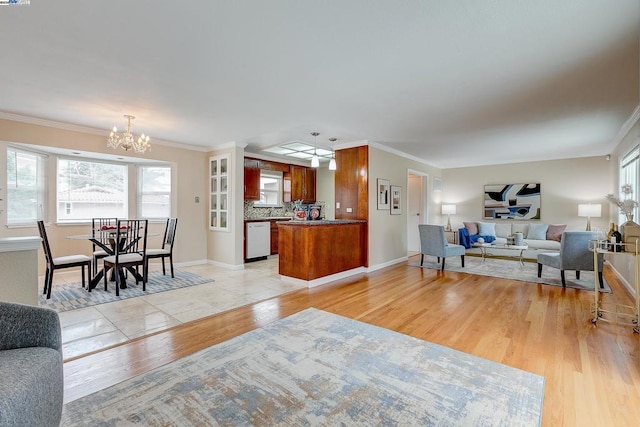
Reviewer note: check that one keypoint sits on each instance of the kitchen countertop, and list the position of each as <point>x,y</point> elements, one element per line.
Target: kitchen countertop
<point>327,222</point>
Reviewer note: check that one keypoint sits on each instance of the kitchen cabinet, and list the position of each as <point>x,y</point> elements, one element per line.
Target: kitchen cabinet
<point>251,179</point>
<point>303,184</point>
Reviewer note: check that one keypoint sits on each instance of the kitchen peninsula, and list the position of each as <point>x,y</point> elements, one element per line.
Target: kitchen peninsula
<point>310,250</point>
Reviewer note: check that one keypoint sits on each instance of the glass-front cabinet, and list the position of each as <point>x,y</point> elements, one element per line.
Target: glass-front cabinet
<point>219,203</point>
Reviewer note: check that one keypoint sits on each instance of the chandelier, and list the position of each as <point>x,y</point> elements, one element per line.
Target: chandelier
<point>126,140</point>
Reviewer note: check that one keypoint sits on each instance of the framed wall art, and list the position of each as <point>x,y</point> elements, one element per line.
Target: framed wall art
<point>511,201</point>
<point>396,200</point>
<point>383,194</point>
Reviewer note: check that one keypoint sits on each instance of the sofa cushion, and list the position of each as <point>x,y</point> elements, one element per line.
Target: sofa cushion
<point>545,245</point>
<point>503,229</point>
<point>520,228</point>
<point>472,227</point>
<point>537,231</point>
<point>554,232</point>
<point>487,228</point>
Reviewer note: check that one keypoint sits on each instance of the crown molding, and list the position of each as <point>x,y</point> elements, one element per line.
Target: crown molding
<point>626,127</point>
<point>383,147</point>
<point>93,131</point>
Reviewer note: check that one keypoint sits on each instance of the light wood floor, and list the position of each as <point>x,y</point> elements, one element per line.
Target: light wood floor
<point>592,372</point>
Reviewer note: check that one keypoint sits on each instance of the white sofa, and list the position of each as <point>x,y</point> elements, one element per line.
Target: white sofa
<point>543,237</point>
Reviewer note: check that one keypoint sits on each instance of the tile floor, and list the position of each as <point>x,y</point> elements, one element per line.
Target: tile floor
<point>92,328</point>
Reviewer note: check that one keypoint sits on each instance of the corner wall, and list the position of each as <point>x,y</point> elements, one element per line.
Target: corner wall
<point>388,233</point>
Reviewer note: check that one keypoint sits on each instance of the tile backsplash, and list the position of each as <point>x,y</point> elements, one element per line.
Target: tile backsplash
<point>251,212</point>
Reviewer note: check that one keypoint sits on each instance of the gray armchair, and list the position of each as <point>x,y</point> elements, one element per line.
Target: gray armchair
<point>31,389</point>
<point>433,242</point>
<point>574,255</point>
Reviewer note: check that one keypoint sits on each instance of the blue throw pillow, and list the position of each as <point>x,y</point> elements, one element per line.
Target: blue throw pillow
<point>488,229</point>
<point>537,231</point>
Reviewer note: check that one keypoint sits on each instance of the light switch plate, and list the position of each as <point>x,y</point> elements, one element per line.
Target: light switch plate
<point>337,205</point>
<point>197,199</point>
<point>349,210</point>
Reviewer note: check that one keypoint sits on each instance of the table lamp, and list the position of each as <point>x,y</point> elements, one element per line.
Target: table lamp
<point>448,210</point>
<point>589,210</point>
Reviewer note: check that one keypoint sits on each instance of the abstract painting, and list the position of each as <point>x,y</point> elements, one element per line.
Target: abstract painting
<point>511,201</point>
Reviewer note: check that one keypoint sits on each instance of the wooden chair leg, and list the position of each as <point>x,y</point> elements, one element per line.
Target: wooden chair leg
<point>163,269</point>
<point>539,270</point>
<point>442,269</point>
<point>171,264</point>
<point>462,258</point>
<point>106,271</point>
<point>421,259</point>
<point>83,281</point>
<point>577,274</point>
<point>564,283</point>
<point>46,281</point>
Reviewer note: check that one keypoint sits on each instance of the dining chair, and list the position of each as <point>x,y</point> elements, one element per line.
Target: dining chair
<point>99,229</point>
<point>167,246</point>
<point>58,263</point>
<point>130,247</point>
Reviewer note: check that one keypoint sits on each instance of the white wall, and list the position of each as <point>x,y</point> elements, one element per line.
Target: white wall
<point>563,184</point>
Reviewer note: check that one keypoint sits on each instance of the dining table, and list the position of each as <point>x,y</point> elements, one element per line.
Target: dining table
<point>105,239</point>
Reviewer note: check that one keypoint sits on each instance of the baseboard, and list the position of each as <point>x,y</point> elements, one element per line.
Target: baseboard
<point>227,266</point>
<point>387,264</point>
<point>322,280</point>
<point>188,263</point>
<point>626,284</point>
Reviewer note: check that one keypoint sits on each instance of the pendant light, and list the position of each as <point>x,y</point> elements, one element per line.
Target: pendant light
<point>332,162</point>
<point>315,161</point>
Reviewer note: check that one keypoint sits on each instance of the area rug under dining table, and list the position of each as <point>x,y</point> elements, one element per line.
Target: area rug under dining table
<point>71,296</point>
<point>318,368</point>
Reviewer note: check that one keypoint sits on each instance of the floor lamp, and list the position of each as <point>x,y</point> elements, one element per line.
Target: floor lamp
<point>448,210</point>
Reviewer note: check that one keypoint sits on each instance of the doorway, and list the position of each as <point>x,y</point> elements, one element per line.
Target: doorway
<point>416,208</point>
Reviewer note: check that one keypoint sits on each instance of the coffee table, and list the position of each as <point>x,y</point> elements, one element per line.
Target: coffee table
<point>487,246</point>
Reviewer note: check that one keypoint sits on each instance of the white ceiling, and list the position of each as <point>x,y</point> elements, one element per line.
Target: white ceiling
<point>454,83</point>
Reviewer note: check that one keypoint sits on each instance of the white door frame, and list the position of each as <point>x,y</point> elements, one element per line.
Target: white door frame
<point>424,214</point>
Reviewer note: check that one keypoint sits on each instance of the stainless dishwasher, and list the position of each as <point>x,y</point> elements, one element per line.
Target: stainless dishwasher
<point>258,239</point>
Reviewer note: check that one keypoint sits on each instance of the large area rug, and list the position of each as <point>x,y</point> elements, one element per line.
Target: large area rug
<point>316,368</point>
<point>70,296</point>
<point>511,269</point>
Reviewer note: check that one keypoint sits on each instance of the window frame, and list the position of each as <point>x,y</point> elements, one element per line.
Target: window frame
<point>279,176</point>
<point>629,173</point>
<point>140,193</point>
<point>125,210</point>
<point>40,187</point>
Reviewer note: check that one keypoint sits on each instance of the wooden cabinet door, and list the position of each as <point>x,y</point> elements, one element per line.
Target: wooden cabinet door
<point>310,185</point>
<point>274,238</point>
<point>251,179</point>
<point>303,184</point>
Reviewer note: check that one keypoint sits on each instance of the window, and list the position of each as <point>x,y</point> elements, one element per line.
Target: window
<point>270,189</point>
<point>154,191</point>
<point>88,189</point>
<point>629,168</point>
<point>26,191</point>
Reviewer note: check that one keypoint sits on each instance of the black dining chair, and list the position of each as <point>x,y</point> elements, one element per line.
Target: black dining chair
<point>167,246</point>
<point>58,263</point>
<point>100,228</point>
<point>130,245</point>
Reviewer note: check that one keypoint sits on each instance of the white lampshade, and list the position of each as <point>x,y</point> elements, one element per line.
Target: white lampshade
<point>332,164</point>
<point>588,210</point>
<point>315,161</point>
<point>448,209</point>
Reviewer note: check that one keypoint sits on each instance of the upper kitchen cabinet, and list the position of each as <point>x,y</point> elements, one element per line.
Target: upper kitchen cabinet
<point>303,184</point>
<point>251,179</point>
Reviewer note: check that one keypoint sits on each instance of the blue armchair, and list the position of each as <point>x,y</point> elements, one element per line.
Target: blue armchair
<point>574,255</point>
<point>433,242</point>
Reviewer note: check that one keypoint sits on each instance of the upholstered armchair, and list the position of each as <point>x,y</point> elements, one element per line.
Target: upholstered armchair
<point>433,242</point>
<point>574,255</point>
<point>30,366</point>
